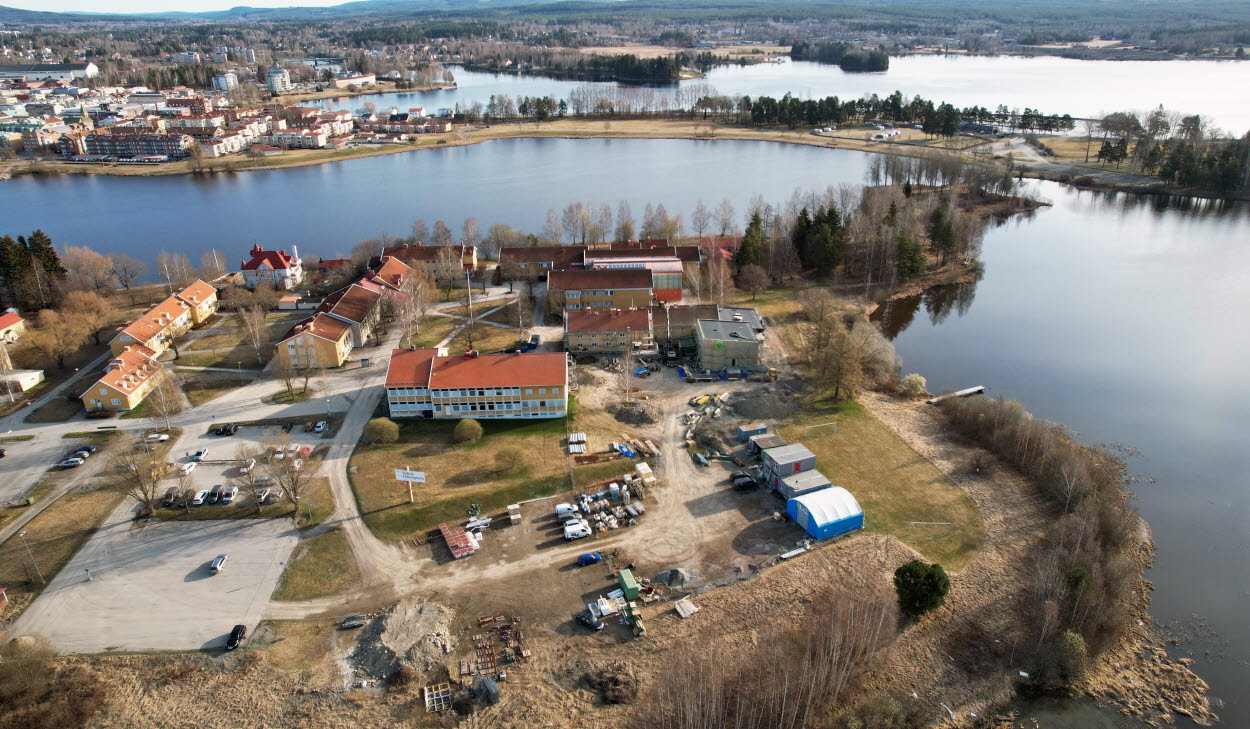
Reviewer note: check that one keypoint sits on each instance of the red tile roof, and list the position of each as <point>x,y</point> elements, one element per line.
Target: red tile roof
<point>197,293</point>
<point>129,370</point>
<point>627,278</point>
<point>353,303</point>
<point>687,254</point>
<point>261,258</point>
<point>332,263</point>
<point>392,273</point>
<point>425,368</point>
<point>154,322</point>
<point>617,320</point>
<point>557,256</point>
<point>8,319</point>
<point>320,325</point>
<point>421,252</point>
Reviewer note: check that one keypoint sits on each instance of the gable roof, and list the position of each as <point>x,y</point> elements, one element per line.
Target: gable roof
<point>624,278</point>
<point>319,325</point>
<point>154,322</point>
<point>420,252</point>
<point>9,319</point>
<point>616,320</point>
<point>557,256</point>
<point>276,260</point>
<point>426,367</point>
<point>197,293</point>
<point>352,303</point>
<point>129,370</point>
<point>392,273</point>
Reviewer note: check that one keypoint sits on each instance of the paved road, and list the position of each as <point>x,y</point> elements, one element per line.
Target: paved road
<point>151,588</point>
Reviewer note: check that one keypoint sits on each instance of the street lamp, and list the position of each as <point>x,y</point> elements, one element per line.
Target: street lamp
<point>240,368</point>
<point>32,557</point>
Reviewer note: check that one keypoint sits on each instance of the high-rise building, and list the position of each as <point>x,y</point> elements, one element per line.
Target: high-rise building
<point>279,80</point>
<point>225,81</point>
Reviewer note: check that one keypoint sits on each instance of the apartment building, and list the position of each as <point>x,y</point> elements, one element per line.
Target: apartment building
<point>615,330</point>
<point>202,298</point>
<point>602,289</point>
<point>428,383</point>
<point>272,268</point>
<point>534,263</point>
<point>673,326</point>
<point>157,329</point>
<point>225,81</point>
<point>358,305</point>
<point>432,258</point>
<point>318,341</point>
<point>127,379</point>
<point>138,144</point>
<point>278,80</point>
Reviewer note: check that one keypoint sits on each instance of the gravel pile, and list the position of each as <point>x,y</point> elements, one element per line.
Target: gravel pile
<point>412,633</point>
<point>764,405</point>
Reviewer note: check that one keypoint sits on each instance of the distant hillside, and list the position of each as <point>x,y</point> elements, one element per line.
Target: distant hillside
<point>360,8</point>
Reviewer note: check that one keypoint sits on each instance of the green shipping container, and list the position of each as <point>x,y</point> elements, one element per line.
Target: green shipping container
<point>628,584</point>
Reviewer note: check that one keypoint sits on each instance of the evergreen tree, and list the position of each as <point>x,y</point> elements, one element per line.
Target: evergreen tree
<point>910,257</point>
<point>798,236</point>
<point>751,252</point>
<point>942,231</point>
<point>921,587</point>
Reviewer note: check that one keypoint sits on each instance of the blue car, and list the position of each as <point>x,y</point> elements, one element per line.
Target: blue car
<point>588,559</point>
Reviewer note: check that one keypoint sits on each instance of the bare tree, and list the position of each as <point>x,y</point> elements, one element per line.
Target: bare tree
<point>364,251</point>
<point>88,269</point>
<point>604,221</point>
<point>412,304</point>
<point>420,231</point>
<point>472,233</point>
<point>165,398</point>
<point>56,337</point>
<point>95,313</point>
<point>137,474</point>
<point>725,217</point>
<point>551,231</point>
<point>295,481</point>
<point>624,222</point>
<point>718,280</point>
<point>212,264</point>
<point>753,278</point>
<point>253,320</point>
<point>442,234</point>
<point>448,265</point>
<point>284,370</point>
<point>700,219</point>
<point>126,270</point>
<point>247,478</point>
<point>174,269</point>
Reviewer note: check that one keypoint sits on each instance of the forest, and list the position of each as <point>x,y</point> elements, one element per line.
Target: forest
<point>847,56</point>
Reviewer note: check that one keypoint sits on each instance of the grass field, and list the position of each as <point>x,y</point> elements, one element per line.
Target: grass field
<point>202,387</point>
<point>434,330</point>
<point>895,486</point>
<point>54,536</point>
<point>456,475</point>
<point>321,566</point>
<point>228,332</point>
<point>233,358</point>
<point>56,410</point>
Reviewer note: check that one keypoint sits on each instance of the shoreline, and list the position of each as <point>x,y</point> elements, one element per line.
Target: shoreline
<point>575,129</point>
<point>381,87</point>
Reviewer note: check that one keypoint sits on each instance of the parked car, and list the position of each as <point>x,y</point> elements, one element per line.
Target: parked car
<point>589,558</point>
<point>200,496</point>
<point>80,453</point>
<point>562,509</point>
<point>536,339</point>
<point>184,497</point>
<point>220,430</point>
<point>744,482</point>
<point>71,463</point>
<point>286,428</point>
<point>588,619</point>
<point>200,455</point>
<point>275,495</point>
<point>262,496</point>
<point>88,448</point>
<point>236,637</point>
<point>157,437</point>
<point>3,453</point>
<point>577,529</point>
<point>322,427</point>
<point>218,564</point>
<point>309,426</point>
<point>247,466</point>
<point>228,494</point>
<point>187,468</point>
<point>352,622</point>
<point>214,494</point>
<point>234,428</point>
<point>699,460</point>
<point>171,495</point>
<point>292,449</point>
<point>297,464</point>
<point>264,480</point>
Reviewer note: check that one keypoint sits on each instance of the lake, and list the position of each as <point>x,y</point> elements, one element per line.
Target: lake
<point>1051,84</point>
<point>1122,317</point>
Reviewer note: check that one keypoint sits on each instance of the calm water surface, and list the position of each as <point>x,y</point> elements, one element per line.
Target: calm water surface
<point>1121,317</point>
<point>1054,85</point>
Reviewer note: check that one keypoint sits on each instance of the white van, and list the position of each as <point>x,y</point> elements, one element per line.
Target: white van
<point>562,509</point>
<point>577,529</point>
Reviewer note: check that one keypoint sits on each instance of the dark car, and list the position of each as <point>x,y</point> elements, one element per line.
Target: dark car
<point>184,497</point>
<point>236,637</point>
<point>588,619</point>
<point>287,427</point>
<point>220,430</point>
<point>214,494</point>
<point>744,483</point>
<point>3,453</point>
<point>171,496</point>
<point>88,448</point>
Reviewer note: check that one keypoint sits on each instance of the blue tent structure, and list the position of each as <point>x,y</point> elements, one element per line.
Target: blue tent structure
<point>826,513</point>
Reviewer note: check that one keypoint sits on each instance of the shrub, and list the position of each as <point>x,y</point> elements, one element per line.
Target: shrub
<point>467,430</point>
<point>1072,656</point>
<point>381,430</point>
<point>914,385</point>
<point>921,587</point>
<point>507,459</point>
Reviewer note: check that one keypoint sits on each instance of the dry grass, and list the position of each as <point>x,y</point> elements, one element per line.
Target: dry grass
<point>894,484</point>
<point>205,387</point>
<point>321,566</point>
<point>235,358</point>
<point>456,475</point>
<point>57,410</point>
<point>54,536</point>
<point>1071,150</point>
<point>434,330</point>
<point>319,494</point>
<point>486,338</point>
<point>229,334</point>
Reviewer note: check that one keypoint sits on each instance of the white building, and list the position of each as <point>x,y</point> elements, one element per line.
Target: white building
<point>279,80</point>
<point>49,71</point>
<point>272,268</point>
<point>225,81</point>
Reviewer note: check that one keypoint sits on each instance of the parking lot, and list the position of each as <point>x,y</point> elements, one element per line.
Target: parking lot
<point>224,451</point>
<point>151,588</point>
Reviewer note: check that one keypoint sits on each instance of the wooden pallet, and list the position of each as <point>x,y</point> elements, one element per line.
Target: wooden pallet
<point>438,697</point>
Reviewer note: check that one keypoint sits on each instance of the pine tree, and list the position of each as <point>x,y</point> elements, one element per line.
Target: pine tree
<point>910,257</point>
<point>942,231</point>
<point>752,249</point>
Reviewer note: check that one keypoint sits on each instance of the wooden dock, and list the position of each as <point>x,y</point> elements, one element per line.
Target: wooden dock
<point>958,393</point>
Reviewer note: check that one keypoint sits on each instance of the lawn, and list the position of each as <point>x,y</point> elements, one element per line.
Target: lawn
<point>486,339</point>
<point>228,334</point>
<point>54,536</point>
<point>895,486</point>
<point>456,475</point>
<point>434,330</point>
<point>56,410</point>
<point>203,387</point>
<point>778,302</point>
<point>232,359</point>
<point>320,567</point>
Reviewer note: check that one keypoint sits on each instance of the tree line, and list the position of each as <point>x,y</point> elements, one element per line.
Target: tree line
<point>1181,149</point>
<point>847,56</point>
<point>939,119</point>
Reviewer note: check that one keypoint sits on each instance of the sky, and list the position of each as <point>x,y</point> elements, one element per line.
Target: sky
<point>156,6</point>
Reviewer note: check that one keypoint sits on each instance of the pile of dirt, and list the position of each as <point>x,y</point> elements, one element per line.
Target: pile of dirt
<point>764,405</point>
<point>615,683</point>
<point>634,414</point>
<point>411,634</point>
<point>675,577</point>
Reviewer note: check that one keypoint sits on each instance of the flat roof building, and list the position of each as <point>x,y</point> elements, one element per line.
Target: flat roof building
<point>724,344</point>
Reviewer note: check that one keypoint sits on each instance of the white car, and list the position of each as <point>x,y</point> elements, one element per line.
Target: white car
<point>562,509</point>
<point>229,493</point>
<point>321,427</point>
<point>262,496</point>
<point>292,449</point>
<point>200,455</point>
<point>71,463</point>
<point>275,495</point>
<point>248,465</point>
<point>158,438</point>
<point>577,529</point>
<point>219,563</point>
<point>186,468</point>
<point>200,497</point>
<point>265,480</point>
<point>297,464</point>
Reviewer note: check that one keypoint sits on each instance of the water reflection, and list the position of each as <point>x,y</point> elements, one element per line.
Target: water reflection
<point>896,315</point>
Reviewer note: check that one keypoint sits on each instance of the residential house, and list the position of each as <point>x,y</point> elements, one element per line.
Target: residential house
<point>202,298</point>
<point>430,257</point>
<point>615,330</point>
<point>127,379</point>
<point>602,289</point>
<point>390,273</point>
<point>272,268</point>
<point>12,327</point>
<point>534,263</point>
<point>157,329</point>
<point>318,341</point>
<point>428,383</point>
